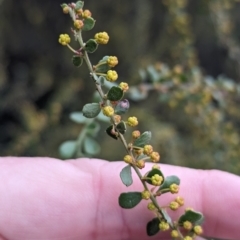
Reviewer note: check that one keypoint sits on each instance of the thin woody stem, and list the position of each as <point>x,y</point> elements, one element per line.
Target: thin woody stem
<point>101,93</point>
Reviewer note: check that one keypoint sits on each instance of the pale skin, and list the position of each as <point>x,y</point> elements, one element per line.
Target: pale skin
<point>43,198</point>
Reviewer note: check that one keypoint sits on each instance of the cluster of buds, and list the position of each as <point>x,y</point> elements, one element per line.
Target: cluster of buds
<point>79,15</point>
<point>110,62</point>
<point>101,38</point>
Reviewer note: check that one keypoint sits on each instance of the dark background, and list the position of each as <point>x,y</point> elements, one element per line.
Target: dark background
<point>39,86</point>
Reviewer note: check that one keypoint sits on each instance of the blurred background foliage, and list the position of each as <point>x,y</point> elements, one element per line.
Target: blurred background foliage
<point>182,56</point>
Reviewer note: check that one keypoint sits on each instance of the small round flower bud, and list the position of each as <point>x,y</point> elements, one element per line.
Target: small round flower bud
<point>155,157</point>
<point>136,134</point>
<point>174,188</point>
<point>174,234</point>
<point>188,238</point>
<point>157,180</point>
<point>111,75</point>
<point>146,195</point>
<point>101,38</point>
<point>155,166</point>
<point>164,226</point>
<point>78,24</point>
<point>79,11</point>
<point>180,200</point>
<point>147,149</point>
<point>86,14</point>
<point>112,61</point>
<point>128,159</point>
<point>187,225</point>
<point>64,39</point>
<point>117,118</point>
<point>138,151</point>
<point>151,206</point>
<point>198,230</point>
<point>65,9</point>
<point>188,209</point>
<point>173,205</point>
<point>140,164</point>
<point>132,121</point>
<point>108,111</point>
<point>124,86</point>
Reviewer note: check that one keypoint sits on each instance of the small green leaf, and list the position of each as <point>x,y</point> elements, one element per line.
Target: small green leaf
<point>126,175</point>
<point>77,61</point>
<point>63,5</point>
<point>129,199</point>
<point>88,24</point>
<point>191,216</point>
<point>77,117</point>
<point>67,149</point>
<point>115,94</point>
<point>121,127</point>
<point>167,182</point>
<point>79,5</point>
<point>153,227</point>
<point>122,107</point>
<point>103,66</point>
<point>143,139</point>
<point>91,46</point>
<point>93,128</point>
<point>101,80</point>
<point>91,110</point>
<point>111,132</point>
<point>90,146</point>
<point>152,173</point>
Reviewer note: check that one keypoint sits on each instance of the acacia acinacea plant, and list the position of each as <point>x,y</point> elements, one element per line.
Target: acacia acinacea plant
<point>138,148</point>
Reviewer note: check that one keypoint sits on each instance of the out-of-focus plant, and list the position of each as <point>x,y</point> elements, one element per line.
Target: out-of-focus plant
<point>202,106</point>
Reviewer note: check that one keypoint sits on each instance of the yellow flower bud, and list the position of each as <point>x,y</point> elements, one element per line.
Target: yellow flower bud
<point>157,180</point>
<point>138,151</point>
<point>187,225</point>
<point>146,195</point>
<point>188,238</point>
<point>101,38</point>
<point>188,209</point>
<point>198,230</point>
<point>65,9</point>
<point>140,164</point>
<point>128,159</point>
<point>112,61</point>
<point>132,121</point>
<point>78,24</point>
<point>151,206</point>
<point>164,226</point>
<point>147,149</point>
<point>64,39</point>
<point>86,13</point>
<point>174,188</point>
<point>155,166</point>
<point>173,205</point>
<point>117,118</point>
<point>79,11</point>
<point>124,86</point>
<point>180,200</point>
<point>155,157</point>
<point>108,111</point>
<point>136,134</point>
<point>174,234</point>
<point>111,75</point>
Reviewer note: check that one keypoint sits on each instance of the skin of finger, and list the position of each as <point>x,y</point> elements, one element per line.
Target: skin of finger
<point>47,198</point>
